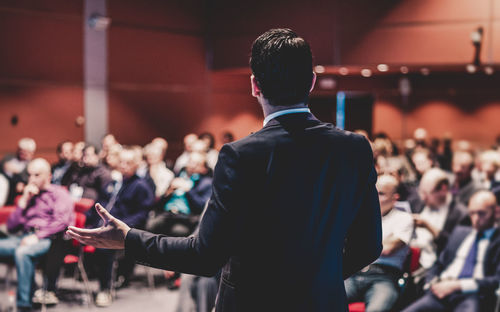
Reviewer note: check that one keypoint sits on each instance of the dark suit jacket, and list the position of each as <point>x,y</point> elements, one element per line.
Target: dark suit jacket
<point>132,205</point>
<point>457,214</point>
<point>294,211</point>
<point>489,283</point>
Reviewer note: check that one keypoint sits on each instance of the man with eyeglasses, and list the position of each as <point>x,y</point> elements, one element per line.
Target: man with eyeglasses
<point>467,273</point>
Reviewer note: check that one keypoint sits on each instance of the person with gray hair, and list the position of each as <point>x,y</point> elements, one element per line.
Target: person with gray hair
<point>467,273</point>
<point>13,167</point>
<point>436,217</point>
<point>43,210</point>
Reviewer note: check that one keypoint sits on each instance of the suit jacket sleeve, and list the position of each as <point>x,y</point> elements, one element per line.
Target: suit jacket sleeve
<point>363,243</point>
<point>207,251</point>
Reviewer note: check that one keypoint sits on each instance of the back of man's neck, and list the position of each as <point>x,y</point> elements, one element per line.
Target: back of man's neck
<point>269,109</point>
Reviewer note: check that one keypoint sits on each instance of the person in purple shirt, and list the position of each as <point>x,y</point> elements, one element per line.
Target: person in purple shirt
<point>42,211</point>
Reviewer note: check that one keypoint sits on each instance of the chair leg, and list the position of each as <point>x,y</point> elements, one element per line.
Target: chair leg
<point>151,278</point>
<point>83,273</point>
<point>113,277</point>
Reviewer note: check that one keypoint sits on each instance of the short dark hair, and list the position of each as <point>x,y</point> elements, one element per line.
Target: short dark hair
<point>88,145</point>
<point>281,62</point>
<point>60,146</point>
<point>210,138</point>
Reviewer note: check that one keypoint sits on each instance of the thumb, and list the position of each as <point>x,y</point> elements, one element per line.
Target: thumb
<point>104,214</point>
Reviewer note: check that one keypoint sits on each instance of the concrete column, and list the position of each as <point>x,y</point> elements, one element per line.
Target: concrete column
<point>95,62</point>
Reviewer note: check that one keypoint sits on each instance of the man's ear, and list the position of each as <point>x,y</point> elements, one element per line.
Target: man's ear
<point>313,82</point>
<point>256,92</point>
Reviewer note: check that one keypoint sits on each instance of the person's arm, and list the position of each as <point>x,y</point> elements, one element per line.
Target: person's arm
<point>363,243</point>
<point>200,254</point>
<point>391,244</point>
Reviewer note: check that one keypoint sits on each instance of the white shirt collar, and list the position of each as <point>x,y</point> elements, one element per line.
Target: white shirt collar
<point>285,112</point>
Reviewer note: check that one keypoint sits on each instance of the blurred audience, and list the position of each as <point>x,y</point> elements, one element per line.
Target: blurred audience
<point>129,200</point>
<point>185,197</point>
<point>157,169</point>
<point>463,186</point>
<point>377,284</point>
<point>436,217</point>
<point>212,154</point>
<point>87,178</point>
<point>182,160</point>
<point>65,157</point>
<point>14,167</point>
<point>43,211</point>
<point>467,273</point>
<point>424,187</point>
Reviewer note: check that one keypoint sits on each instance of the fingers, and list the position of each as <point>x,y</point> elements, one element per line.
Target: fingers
<point>84,231</point>
<point>105,215</point>
<point>87,240</point>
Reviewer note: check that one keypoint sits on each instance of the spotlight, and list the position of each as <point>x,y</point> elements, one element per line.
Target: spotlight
<point>382,67</point>
<point>488,70</point>
<point>343,71</point>
<point>471,68</point>
<point>404,70</point>
<point>365,72</point>
<point>319,69</point>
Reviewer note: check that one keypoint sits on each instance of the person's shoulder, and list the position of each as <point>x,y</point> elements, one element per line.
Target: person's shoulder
<point>58,192</point>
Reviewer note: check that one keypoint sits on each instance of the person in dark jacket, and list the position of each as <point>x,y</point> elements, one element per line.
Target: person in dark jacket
<point>89,177</point>
<point>130,199</point>
<point>467,273</point>
<point>294,209</point>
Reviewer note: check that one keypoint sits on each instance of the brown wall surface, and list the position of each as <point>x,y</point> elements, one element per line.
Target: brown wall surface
<point>361,32</point>
<point>41,73</point>
<point>182,66</point>
<point>158,81</point>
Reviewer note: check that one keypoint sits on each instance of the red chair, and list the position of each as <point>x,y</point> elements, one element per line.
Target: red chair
<point>71,259</point>
<point>83,204</point>
<point>5,212</point>
<point>357,307</point>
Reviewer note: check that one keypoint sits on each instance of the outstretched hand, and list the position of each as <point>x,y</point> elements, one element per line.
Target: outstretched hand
<point>110,235</point>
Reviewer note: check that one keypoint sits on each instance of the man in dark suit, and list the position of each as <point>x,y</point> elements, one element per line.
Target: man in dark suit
<point>467,272</point>
<point>294,209</point>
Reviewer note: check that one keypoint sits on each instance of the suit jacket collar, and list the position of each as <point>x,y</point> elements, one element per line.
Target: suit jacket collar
<point>290,118</point>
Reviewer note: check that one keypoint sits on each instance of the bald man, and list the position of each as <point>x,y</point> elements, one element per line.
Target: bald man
<point>467,273</point>
<point>376,284</point>
<point>42,211</point>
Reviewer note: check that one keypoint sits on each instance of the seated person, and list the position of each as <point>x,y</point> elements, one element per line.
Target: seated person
<point>463,185</point>
<point>186,196</point>
<point>13,166</point>
<point>65,159</point>
<point>467,273</point>
<point>157,170</point>
<point>130,199</point>
<point>182,160</point>
<point>42,211</point>
<point>89,177</point>
<point>4,189</point>
<point>436,217</point>
<point>377,285</point>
